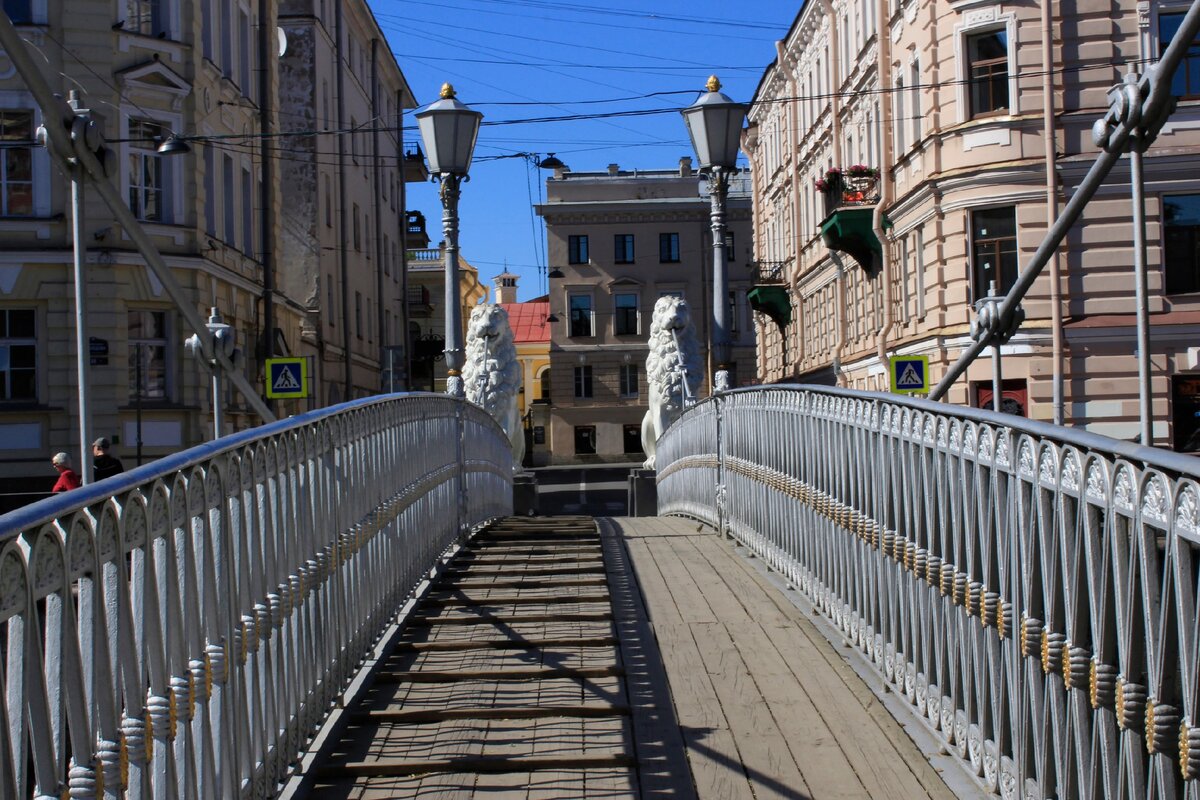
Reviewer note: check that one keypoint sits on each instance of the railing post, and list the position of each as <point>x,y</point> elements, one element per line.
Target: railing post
<point>722,491</point>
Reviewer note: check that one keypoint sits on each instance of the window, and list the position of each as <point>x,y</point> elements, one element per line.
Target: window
<point>244,53</point>
<point>623,248</point>
<point>987,72</point>
<point>358,314</point>
<point>247,213</point>
<point>733,311</point>
<point>16,166</point>
<point>629,380</point>
<point>210,192</point>
<point>585,440</point>
<point>577,249</point>
<point>994,249</point>
<point>146,171</point>
<point>206,29</point>
<point>625,321</point>
<point>581,315</point>
<point>147,17</point>
<point>898,121</point>
<point>545,381</point>
<point>147,354</point>
<point>914,83</point>
<point>18,354</point>
<point>353,134</point>
<point>227,38</point>
<point>356,227</point>
<point>19,11</point>
<point>329,312</point>
<point>730,250</point>
<point>1186,81</point>
<point>668,248</point>
<point>632,435</point>
<point>583,381</point>
<point>230,234</point>
<point>328,203</point>
<point>1181,243</point>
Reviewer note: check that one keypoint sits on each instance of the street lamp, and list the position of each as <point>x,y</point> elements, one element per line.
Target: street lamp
<point>449,129</point>
<point>715,125</point>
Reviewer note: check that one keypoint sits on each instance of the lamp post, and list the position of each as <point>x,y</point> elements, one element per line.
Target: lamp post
<point>715,125</point>
<point>448,130</point>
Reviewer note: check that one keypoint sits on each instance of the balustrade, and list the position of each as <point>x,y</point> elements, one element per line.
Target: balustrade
<point>1031,590</point>
<point>179,631</point>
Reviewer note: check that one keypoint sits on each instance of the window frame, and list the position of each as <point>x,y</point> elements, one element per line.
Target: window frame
<point>577,249</point>
<point>979,289</point>
<point>585,387</point>
<point>628,382</point>
<point>576,318</point>
<point>140,154</point>
<point>1155,52</point>
<point>623,248</point>
<point>971,65</point>
<point>8,341</point>
<point>162,342</point>
<point>668,248</point>
<point>1173,287</point>
<point>29,146</point>
<point>622,324</point>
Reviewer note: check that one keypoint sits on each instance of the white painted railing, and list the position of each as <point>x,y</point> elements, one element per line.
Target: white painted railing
<point>1031,590</point>
<point>180,630</point>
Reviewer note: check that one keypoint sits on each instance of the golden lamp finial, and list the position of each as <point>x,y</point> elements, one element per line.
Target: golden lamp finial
<point>447,91</point>
<point>713,85</point>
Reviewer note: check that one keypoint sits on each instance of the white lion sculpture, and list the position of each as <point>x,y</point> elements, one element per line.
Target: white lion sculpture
<point>492,374</point>
<point>672,367</point>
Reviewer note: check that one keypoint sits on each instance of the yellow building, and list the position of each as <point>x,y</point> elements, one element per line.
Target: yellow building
<point>531,334</point>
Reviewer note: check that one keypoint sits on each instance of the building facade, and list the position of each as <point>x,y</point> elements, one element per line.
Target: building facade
<point>621,240</point>
<point>343,236</point>
<point>427,312</point>
<point>150,71</point>
<point>907,157</point>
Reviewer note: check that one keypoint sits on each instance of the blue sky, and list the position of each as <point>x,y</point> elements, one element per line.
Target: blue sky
<point>523,61</point>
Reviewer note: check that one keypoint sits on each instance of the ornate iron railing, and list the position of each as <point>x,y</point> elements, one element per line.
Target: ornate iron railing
<point>1031,590</point>
<point>180,630</point>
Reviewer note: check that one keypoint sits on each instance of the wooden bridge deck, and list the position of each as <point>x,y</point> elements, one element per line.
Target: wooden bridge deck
<point>627,658</point>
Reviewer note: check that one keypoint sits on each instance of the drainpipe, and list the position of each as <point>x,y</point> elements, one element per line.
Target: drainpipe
<point>266,125</point>
<point>1056,312</point>
<point>402,211</point>
<point>380,303</point>
<point>835,117</point>
<point>883,66</point>
<point>347,384</point>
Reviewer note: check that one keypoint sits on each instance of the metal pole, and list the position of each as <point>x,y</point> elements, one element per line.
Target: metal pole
<point>718,189</point>
<point>218,410</point>
<point>997,367</point>
<point>1140,293</point>
<point>83,351</point>
<point>454,349</point>
<point>137,399</point>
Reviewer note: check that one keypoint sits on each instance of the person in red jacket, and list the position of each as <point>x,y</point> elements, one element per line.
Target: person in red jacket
<point>67,478</point>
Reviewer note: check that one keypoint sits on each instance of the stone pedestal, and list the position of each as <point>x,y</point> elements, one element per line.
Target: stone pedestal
<point>525,495</point>
<point>643,493</point>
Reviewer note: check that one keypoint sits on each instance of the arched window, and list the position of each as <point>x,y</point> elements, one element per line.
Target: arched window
<point>545,381</point>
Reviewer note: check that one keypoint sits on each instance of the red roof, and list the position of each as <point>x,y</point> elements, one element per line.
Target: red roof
<point>528,321</point>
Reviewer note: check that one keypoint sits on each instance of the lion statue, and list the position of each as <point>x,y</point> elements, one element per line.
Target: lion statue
<point>673,369</point>
<point>492,374</point>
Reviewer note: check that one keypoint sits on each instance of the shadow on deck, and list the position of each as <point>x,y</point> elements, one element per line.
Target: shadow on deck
<point>618,658</point>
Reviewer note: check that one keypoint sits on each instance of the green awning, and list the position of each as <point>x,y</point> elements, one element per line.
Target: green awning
<point>772,300</point>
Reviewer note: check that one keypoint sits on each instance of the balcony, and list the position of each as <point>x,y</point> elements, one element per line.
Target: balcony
<point>415,170</point>
<point>425,259</point>
<point>769,295</point>
<point>850,197</point>
<point>420,302</point>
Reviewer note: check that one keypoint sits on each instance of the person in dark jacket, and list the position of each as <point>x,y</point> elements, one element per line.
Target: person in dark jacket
<point>67,478</point>
<point>105,465</point>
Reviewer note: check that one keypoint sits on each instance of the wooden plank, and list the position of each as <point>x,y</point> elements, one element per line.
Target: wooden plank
<point>514,600</point>
<point>493,712</point>
<point>388,766</point>
<point>512,619</point>
<point>689,598</point>
<point>514,674</point>
<point>504,644</point>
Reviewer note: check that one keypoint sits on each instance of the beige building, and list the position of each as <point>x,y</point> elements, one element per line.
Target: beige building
<point>979,134</point>
<point>622,239</point>
<point>344,230</point>
<point>150,70</point>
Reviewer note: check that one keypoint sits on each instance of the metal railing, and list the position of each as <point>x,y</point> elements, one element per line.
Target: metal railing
<point>180,630</point>
<point>1031,590</point>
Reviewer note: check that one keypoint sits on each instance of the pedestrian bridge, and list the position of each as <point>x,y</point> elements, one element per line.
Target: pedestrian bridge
<point>846,595</point>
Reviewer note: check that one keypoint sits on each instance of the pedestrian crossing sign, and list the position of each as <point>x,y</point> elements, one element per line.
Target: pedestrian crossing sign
<point>910,374</point>
<point>287,378</point>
